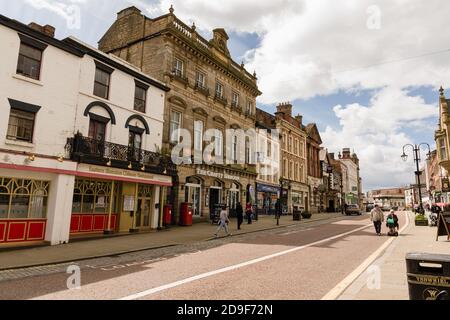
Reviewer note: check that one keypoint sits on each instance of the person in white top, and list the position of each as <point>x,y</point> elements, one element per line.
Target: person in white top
<point>223,222</point>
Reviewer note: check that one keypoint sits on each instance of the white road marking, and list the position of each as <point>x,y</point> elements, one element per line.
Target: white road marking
<point>344,284</point>
<point>294,232</point>
<point>234,267</point>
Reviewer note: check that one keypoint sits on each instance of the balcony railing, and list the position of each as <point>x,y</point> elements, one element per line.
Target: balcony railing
<point>92,151</point>
<point>221,99</point>
<point>201,88</point>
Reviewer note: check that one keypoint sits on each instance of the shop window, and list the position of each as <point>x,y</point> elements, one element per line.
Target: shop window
<point>93,196</point>
<point>23,199</point>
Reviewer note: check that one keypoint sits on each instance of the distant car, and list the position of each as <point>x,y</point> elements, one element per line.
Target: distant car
<point>386,208</point>
<point>353,209</point>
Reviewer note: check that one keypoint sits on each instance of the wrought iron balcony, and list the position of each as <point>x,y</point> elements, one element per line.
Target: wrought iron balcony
<point>202,89</point>
<point>220,99</point>
<point>92,151</point>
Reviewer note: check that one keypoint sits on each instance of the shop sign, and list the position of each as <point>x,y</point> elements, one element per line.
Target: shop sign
<point>128,173</point>
<point>266,188</point>
<point>445,185</point>
<point>217,175</point>
<point>128,203</point>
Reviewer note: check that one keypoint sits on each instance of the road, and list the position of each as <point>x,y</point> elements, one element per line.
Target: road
<point>301,262</point>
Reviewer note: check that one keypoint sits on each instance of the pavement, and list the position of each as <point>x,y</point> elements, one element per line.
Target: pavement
<point>113,246</point>
<point>390,267</point>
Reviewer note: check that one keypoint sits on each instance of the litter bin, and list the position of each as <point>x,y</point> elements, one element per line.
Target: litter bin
<point>428,276</point>
<point>297,215</point>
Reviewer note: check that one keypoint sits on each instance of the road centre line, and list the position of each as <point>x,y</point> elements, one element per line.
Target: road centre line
<point>236,266</point>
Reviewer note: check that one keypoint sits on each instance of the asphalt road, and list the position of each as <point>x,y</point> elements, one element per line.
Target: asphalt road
<point>302,262</point>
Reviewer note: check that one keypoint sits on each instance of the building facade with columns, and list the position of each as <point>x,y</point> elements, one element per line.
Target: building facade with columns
<point>66,154</point>
<point>209,91</point>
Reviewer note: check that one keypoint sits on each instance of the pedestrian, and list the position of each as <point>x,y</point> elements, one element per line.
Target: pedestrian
<point>223,222</point>
<point>249,212</point>
<point>377,217</point>
<point>239,214</point>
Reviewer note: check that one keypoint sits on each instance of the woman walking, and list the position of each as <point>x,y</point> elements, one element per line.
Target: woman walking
<point>249,212</point>
<point>223,223</point>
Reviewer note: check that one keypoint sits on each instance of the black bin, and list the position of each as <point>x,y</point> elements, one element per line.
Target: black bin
<point>428,276</point>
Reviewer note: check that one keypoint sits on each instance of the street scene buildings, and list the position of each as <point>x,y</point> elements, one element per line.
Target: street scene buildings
<point>130,154</point>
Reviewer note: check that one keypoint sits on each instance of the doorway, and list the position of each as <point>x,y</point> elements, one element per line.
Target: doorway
<point>214,197</point>
<point>144,205</point>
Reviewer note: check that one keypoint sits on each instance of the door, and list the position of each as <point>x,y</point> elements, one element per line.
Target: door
<point>214,198</point>
<point>134,146</point>
<point>143,214</point>
<point>97,132</point>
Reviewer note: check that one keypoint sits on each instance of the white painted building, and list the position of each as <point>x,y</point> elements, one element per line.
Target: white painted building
<point>79,135</point>
<point>350,173</point>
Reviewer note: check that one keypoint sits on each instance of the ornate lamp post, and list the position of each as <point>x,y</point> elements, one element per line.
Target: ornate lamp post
<point>416,154</point>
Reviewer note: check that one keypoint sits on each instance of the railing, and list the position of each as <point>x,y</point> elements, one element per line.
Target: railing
<point>221,99</point>
<point>87,150</point>
<point>182,28</point>
<point>199,87</point>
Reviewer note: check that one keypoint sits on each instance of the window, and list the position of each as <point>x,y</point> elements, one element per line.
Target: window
<point>21,125</point>
<point>30,59</point>
<point>198,135</point>
<point>219,90</point>
<point>285,168</point>
<point>93,196</point>
<point>247,150</point>
<point>291,170</point>
<point>235,100</point>
<point>218,143</point>
<point>97,130</point>
<point>249,107</point>
<point>269,149</point>
<point>234,148</point>
<point>200,80</point>
<point>442,149</point>
<point>140,97</point>
<point>296,171</point>
<point>175,125</point>
<point>290,144</point>
<point>101,84</point>
<point>23,199</point>
<point>178,68</point>
<point>296,147</point>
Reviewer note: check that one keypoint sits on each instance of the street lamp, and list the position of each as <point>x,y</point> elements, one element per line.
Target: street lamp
<point>416,154</point>
<point>342,197</point>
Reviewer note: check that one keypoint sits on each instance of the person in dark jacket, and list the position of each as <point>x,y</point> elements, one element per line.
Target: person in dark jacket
<point>249,212</point>
<point>240,215</point>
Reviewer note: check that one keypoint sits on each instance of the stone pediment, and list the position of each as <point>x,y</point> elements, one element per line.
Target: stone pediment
<point>178,101</point>
<point>220,120</point>
<point>200,111</point>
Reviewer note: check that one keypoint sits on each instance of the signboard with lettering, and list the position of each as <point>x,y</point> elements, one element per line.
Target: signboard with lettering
<point>128,203</point>
<point>443,226</point>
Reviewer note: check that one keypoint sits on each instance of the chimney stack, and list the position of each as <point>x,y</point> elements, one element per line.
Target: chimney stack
<point>286,108</point>
<point>47,29</point>
<point>299,118</point>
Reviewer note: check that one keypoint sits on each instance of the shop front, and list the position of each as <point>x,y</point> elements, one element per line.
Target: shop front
<point>298,197</point>
<point>266,198</point>
<point>205,187</point>
<point>107,200</point>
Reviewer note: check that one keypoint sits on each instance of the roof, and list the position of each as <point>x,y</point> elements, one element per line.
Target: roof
<point>78,48</point>
<point>24,29</point>
<point>114,62</point>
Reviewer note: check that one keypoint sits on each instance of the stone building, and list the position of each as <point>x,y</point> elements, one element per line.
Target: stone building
<point>389,198</point>
<point>268,164</point>
<point>294,182</point>
<point>315,182</point>
<point>208,91</point>
<point>353,192</point>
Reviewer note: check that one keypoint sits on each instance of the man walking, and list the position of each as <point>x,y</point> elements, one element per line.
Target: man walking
<point>239,214</point>
<point>377,217</point>
<point>223,223</point>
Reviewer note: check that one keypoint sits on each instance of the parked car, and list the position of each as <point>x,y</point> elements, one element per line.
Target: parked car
<point>386,208</point>
<point>369,207</point>
<point>353,209</point>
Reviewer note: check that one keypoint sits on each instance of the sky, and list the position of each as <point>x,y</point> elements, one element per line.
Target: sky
<point>366,72</point>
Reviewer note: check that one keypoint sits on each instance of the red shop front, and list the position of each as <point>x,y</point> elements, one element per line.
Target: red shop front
<point>94,206</point>
<point>23,210</point>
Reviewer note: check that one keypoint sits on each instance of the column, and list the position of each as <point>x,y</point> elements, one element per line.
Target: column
<point>59,209</point>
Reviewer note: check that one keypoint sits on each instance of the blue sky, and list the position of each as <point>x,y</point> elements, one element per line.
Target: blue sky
<point>299,50</point>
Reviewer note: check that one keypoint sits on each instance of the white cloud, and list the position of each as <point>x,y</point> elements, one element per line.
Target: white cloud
<point>376,134</point>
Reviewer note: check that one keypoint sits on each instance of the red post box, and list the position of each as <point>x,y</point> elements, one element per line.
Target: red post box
<point>167,220</point>
<point>186,214</point>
